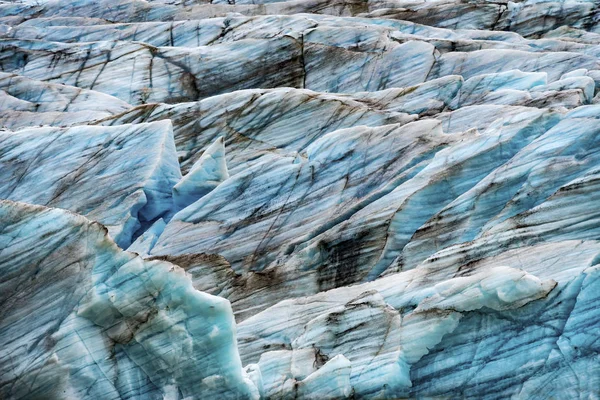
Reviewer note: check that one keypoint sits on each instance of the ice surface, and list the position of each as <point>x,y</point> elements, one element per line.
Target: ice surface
<point>204,176</point>
<point>85,319</point>
<point>120,176</point>
<point>318,199</point>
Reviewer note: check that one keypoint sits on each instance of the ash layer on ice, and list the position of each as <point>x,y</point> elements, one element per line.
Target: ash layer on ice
<point>302,199</point>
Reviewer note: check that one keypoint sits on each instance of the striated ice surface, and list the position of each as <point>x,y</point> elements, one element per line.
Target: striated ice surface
<point>205,175</point>
<point>285,199</point>
<point>121,177</point>
<point>85,319</point>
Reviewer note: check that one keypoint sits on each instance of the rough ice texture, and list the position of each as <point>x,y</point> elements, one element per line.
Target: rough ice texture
<point>120,176</point>
<point>85,319</point>
<point>384,199</point>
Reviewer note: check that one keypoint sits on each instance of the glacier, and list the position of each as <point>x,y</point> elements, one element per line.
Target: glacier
<point>299,199</point>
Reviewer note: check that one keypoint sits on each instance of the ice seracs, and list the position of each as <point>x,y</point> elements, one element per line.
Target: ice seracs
<point>120,176</point>
<point>384,199</point>
<point>85,319</point>
<point>403,316</point>
<point>205,175</point>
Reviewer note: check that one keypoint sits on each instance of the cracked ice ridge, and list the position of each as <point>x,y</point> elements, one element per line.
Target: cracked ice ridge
<point>316,199</point>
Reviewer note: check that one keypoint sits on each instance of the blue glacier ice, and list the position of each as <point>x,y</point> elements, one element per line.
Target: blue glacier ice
<point>85,319</point>
<point>284,199</point>
<point>205,175</point>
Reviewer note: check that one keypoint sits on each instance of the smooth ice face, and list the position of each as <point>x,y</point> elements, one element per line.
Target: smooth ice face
<point>120,176</point>
<point>98,322</point>
<point>204,176</point>
<point>384,199</point>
